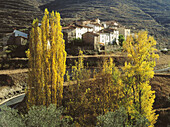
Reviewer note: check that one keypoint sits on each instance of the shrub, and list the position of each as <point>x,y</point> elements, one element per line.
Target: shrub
<point>10,118</point>
<point>47,117</point>
<point>119,118</point>
<point>38,116</point>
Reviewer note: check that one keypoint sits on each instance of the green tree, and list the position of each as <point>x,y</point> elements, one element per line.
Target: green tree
<point>121,39</point>
<point>47,58</point>
<point>139,97</point>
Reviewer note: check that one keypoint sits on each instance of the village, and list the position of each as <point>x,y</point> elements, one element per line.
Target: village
<point>97,39</point>
<point>93,35</point>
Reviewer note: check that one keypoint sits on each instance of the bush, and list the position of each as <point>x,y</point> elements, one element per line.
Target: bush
<point>113,119</point>
<point>10,118</point>
<point>45,117</point>
<point>120,118</point>
<point>38,116</point>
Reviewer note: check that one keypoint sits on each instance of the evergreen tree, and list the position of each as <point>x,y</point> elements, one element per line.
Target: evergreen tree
<point>47,57</point>
<point>139,97</point>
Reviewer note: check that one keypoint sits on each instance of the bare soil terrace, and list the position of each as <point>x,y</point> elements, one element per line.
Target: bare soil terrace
<point>163,61</point>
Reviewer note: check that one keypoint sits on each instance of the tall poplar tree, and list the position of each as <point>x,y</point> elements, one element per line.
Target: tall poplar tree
<point>47,58</point>
<point>139,97</point>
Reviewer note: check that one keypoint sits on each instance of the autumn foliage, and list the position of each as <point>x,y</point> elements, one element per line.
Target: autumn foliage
<point>91,93</point>
<point>139,97</point>
<point>47,58</point>
<point>112,88</point>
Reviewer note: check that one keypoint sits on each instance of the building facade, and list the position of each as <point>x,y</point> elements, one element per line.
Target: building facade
<point>109,36</point>
<point>123,31</point>
<point>92,39</point>
<point>75,32</point>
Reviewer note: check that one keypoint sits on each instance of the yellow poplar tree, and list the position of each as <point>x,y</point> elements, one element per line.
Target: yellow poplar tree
<point>47,58</point>
<point>139,97</point>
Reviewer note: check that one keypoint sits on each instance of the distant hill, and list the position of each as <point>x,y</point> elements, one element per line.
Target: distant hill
<point>151,15</point>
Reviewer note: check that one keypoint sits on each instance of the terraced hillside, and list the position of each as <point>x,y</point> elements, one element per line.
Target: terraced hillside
<point>16,14</point>
<point>152,15</point>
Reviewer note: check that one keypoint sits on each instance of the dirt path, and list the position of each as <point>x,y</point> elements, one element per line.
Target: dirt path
<point>163,109</point>
<point>16,71</point>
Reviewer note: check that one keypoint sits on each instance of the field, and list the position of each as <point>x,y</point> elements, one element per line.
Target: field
<point>163,62</point>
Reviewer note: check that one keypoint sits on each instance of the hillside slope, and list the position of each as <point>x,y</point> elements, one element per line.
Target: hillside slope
<point>152,15</point>
<point>18,14</point>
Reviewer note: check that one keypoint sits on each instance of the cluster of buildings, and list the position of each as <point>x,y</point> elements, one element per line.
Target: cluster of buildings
<point>95,32</point>
<point>92,32</point>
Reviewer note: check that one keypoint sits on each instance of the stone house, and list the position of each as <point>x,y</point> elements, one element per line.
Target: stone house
<point>95,24</point>
<point>17,38</point>
<point>21,38</point>
<point>69,33</point>
<point>92,39</point>
<point>75,31</point>
<point>125,32</point>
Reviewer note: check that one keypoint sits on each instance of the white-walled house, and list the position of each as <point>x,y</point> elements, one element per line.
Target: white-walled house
<point>96,27</point>
<point>75,31</point>
<point>80,30</point>
<point>108,36</point>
